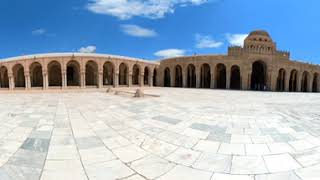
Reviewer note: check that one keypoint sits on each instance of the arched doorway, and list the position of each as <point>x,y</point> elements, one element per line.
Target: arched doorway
<point>235,81</point>
<point>155,74</point>
<point>191,76</point>
<point>178,76</point>
<point>293,81</point>
<point>135,74</point>
<point>36,77</point>
<point>304,81</point>
<point>315,87</point>
<point>73,73</point>
<point>123,74</point>
<point>146,76</point>
<point>205,76</point>
<point>259,76</point>
<point>18,73</point>
<point>167,78</point>
<point>281,80</point>
<point>92,73</point>
<point>221,76</point>
<point>4,79</point>
<point>108,72</point>
<point>54,74</point>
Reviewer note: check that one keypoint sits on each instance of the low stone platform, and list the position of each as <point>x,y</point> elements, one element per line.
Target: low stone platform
<point>183,134</point>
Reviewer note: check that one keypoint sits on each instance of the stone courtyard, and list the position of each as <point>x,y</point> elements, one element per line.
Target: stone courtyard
<point>183,134</point>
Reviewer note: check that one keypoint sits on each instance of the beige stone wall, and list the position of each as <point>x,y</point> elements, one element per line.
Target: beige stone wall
<point>9,68</point>
<point>244,62</point>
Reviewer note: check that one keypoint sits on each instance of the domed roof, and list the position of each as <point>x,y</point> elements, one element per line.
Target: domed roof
<point>259,33</point>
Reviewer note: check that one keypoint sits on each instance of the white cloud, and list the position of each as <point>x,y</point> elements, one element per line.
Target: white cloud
<point>38,32</point>
<point>236,39</point>
<point>88,49</point>
<point>126,9</point>
<point>167,53</point>
<point>137,31</point>
<point>206,42</point>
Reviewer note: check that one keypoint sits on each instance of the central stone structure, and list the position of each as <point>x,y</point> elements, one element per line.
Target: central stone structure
<point>258,65</point>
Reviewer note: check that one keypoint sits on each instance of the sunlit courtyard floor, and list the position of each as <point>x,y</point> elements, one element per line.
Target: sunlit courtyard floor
<point>185,134</point>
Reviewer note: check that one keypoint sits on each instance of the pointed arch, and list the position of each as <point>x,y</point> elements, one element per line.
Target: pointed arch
<point>259,76</point>
<point>305,82</point>
<point>205,76</point>
<point>73,73</point>
<point>92,73</point>
<point>167,78</point>
<point>4,79</point>
<point>18,73</point>
<point>281,80</point>
<point>191,76</point>
<point>235,79</point>
<point>293,80</point>
<point>178,76</point>
<point>155,74</point>
<point>315,85</point>
<point>54,74</point>
<point>36,77</point>
<point>135,74</point>
<point>123,74</point>
<point>220,76</point>
<point>108,73</point>
<point>146,76</point>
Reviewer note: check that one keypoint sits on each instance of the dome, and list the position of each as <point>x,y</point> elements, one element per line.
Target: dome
<point>259,33</point>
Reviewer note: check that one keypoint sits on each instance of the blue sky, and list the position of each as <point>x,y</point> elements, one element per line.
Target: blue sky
<point>152,29</point>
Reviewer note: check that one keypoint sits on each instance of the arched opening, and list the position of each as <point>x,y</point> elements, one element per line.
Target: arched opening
<point>258,76</point>
<point>36,77</point>
<point>315,87</point>
<point>73,73</point>
<point>221,76</point>
<point>235,81</point>
<point>4,79</point>
<point>167,78</point>
<point>54,74</point>
<point>123,74</point>
<point>146,76</point>
<point>205,76</point>
<point>191,76</point>
<point>155,74</point>
<point>135,74</point>
<point>178,76</point>
<point>293,81</point>
<point>108,72</point>
<point>304,81</point>
<point>18,73</point>
<point>92,73</point>
<point>281,80</point>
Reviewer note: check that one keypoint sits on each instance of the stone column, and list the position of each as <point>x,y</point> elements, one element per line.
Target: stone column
<point>198,77</point>
<point>27,81</point>
<point>115,79</point>
<point>273,82</point>
<point>64,79</point>
<point>172,79</point>
<point>298,82</point>
<point>245,78</point>
<point>310,84</point>
<point>184,78</point>
<point>45,80</point>
<point>228,76</point>
<point>141,79</point>
<point>287,82</point>
<point>150,80</point>
<point>11,82</point>
<point>100,80</point>
<point>82,79</point>
<point>212,85</point>
<point>130,79</point>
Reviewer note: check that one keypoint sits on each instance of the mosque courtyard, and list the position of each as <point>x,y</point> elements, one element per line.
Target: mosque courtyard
<point>185,134</point>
